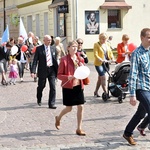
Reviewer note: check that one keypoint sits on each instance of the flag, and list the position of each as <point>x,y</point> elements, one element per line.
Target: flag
<point>5,36</point>
<point>22,30</point>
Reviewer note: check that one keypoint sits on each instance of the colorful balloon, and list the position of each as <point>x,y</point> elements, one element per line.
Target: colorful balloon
<point>24,48</point>
<point>34,49</point>
<point>132,47</point>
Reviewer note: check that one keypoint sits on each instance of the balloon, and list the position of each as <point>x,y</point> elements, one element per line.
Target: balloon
<point>30,40</point>
<point>34,49</point>
<point>24,48</point>
<point>132,47</point>
<point>82,72</point>
<point>14,50</point>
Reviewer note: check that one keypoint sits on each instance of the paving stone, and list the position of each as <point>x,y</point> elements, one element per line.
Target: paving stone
<point>26,126</point>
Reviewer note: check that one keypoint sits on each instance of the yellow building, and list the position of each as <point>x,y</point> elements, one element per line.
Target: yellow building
<point>34,13</point>
<point>70,19</point>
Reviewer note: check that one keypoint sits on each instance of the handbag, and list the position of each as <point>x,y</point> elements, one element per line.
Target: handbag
<point>86,81</point>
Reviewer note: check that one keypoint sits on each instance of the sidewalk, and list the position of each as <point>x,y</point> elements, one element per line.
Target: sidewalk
<point>26,126</point>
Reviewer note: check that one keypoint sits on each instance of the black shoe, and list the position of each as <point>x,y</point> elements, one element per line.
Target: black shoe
<point>39,104</point>
<point>35,79</point>
<point>4,82</point>
<point>96,95</point>
<point>52,107</point>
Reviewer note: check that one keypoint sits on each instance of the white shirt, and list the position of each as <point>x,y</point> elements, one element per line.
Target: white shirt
<point>48,52</point>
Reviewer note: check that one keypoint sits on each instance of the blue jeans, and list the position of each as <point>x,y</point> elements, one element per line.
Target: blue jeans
<point>100,70</point>
<point>144,107</point>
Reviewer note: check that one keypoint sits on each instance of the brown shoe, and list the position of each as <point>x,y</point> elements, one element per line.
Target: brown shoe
<point>57,123</point>
<point>130,139</point>
<point>80,132</point>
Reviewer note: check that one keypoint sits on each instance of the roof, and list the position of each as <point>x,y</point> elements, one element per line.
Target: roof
<point>115,5</point>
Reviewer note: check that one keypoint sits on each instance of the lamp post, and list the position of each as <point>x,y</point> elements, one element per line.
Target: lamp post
<point>4,14</point>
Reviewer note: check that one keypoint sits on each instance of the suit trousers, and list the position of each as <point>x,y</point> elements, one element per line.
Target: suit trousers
<point>144,107</point>
<point>51,76</point>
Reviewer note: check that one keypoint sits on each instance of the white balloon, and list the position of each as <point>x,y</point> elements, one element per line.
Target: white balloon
<point>14,50</point>
<point>30,40</point>
<point>82,72</point>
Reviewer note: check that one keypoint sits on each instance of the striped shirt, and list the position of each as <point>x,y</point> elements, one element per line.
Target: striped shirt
<point>139,76</point>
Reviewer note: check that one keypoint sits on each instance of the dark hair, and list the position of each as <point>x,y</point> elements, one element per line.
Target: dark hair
<point>143,32</point>
<point>8,44</point>
<point>92,12</point>
<point>52,42</point>
<point>11,39</point>
<point>79,39</point>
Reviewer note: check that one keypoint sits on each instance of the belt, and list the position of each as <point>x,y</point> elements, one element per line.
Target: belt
<point>49,66</point>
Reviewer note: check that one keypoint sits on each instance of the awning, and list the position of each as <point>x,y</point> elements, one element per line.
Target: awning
<point>55,3</point>
<point>115,4</point>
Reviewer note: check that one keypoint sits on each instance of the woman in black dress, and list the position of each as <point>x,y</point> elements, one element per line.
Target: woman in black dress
<point>72,88</point>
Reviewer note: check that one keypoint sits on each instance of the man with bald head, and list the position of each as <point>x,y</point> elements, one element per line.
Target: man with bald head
<point>46,59</point>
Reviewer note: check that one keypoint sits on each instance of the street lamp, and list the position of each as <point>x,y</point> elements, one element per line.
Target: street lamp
<point>4,14</point>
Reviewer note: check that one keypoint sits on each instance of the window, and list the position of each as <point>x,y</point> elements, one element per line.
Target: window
<point>1,26</point>
<point>61,26</point>
<point>46,23</point>
<point>29,23</point>
<point>114,18</point>
<point>37,25</point>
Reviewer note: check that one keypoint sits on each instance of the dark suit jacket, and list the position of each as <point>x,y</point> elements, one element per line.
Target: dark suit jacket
<point>40,60</point>
<point>18,54</point>
<point>4,55</point>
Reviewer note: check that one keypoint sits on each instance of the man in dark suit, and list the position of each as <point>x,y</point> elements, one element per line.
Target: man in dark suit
<point>4,58</point>
<point>45,58</point>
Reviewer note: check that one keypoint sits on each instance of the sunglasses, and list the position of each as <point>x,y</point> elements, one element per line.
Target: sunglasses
<point>80,43</point>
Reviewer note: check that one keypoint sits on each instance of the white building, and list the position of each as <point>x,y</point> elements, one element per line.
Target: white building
<point>68,18</point>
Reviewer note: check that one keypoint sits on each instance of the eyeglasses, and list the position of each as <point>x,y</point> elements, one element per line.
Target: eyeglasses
<point>80,43</point>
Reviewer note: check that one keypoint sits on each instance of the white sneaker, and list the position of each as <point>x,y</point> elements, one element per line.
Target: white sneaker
<point>21,79</point>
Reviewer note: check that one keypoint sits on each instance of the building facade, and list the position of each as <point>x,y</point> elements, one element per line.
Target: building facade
<point>71,19</point>
<point>115,17</point>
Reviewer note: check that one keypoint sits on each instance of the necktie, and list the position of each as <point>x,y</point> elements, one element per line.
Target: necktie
<point>48,57</point>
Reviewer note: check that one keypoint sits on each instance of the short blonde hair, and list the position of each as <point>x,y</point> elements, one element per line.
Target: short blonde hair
<point>57,38</point>
<point>13,60</point>
<point>103,36</point>
<point>70,43</point>
<point>125,37</point>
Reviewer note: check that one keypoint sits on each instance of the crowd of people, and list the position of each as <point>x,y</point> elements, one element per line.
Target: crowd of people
<point>49,60</point>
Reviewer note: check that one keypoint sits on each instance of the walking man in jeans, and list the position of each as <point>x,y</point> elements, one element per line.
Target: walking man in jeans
<point>139,84</point>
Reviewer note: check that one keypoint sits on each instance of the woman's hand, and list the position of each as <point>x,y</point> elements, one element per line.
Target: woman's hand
<point>70,77</point>
<point>81,64</point>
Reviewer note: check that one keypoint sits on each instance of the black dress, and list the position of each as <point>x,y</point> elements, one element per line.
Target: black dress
<point>73,96</point>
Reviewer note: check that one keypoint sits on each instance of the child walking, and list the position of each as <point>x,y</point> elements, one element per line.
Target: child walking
<point>13,74</point>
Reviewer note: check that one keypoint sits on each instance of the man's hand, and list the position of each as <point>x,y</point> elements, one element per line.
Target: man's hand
<point>133,100</point>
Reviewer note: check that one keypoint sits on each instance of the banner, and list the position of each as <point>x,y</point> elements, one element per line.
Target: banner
<point>22,30</point>
<point>5,36</point>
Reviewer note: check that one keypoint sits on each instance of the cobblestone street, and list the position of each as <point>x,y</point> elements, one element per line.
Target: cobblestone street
<point>26,126</point>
